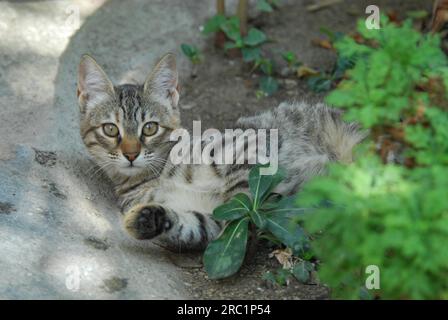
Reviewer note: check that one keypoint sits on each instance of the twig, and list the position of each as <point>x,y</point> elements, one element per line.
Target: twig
<point>321,5</point>
<point>221,7</point>
<point>242,15</point>
<point>220,36</point>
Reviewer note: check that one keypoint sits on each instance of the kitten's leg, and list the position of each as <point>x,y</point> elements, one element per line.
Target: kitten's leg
<point>186,229</point>
<point>146,221</point>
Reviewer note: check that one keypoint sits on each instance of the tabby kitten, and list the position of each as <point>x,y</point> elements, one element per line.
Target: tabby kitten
<point>127,130</point>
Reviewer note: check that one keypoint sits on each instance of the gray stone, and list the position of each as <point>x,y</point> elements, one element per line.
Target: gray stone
<point>51,230</point>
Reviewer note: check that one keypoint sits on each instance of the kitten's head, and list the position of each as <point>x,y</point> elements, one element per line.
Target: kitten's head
<point>127,128</point>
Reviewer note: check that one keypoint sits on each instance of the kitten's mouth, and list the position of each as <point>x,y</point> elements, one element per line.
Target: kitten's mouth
<point>130,169</point>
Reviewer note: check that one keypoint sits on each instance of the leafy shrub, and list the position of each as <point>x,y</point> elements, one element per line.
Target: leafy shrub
<point>269,214</point>
<point>389,208</point>
<point>382,85</point>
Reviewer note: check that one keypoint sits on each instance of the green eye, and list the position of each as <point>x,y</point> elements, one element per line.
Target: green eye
<point>110,130</point>
<point>150,128</point>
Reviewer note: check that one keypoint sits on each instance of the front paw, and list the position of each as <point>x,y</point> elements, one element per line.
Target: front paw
<point>146,222</point>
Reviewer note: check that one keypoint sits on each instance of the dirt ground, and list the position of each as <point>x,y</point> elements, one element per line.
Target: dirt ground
<point>223,90</point>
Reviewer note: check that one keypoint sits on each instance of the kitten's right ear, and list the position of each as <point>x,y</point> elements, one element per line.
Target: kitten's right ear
<point>161,84</point>
<point>94,87</point>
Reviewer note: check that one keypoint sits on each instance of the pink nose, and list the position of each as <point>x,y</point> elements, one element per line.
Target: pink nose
<point>131,156</point>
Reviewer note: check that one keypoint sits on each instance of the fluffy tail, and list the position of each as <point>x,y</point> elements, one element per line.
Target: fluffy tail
<point>341,137</point>
<point>323,126</point>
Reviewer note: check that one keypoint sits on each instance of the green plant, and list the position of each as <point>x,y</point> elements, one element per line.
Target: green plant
<point>291,59</point>
<point>324,81</point>
<point>300,270</point>
<point>267,5</point>
<point>374,212</point>
<point>268,85</point>
<point>280,276</point>
<point>249,44</point>
<point>266,214</point>
<point>250,49</point>
<point>191,52</point>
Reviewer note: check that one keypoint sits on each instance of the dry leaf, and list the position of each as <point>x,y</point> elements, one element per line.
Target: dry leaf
<point>323,43</point>
<point>283,256</point>
<point>318,5</point>
<point>358,38</point>
<point>304,71</point>
<point>393,16</point>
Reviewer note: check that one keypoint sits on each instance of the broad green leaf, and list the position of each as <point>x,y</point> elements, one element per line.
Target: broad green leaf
<point>320,83</point>
<point>263,5</point>
<point>267,66</point>
<point>268,85</point>
<point>270,276</point>
<point>225,255</point>
<point>271,202</point>
<point>188,50</point>
<point>285,208</point>
<point>231,28</point>
<point>279,277</point>
<point>342,65</point>
<point>236,208</point>
<point>262,185</point>
<point>255,37</point>
<point>302,271</point>
<point>270,237</point>
<point>214,24</point>
<point>230,45</point>
<point>286,230</point>
<point>251,54</point>
<point>257,218</point>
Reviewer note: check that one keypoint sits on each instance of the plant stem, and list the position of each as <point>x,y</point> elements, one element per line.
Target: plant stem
<point>221,7</point>
<point>242,16</point>
<point>252,243</point>
<point>220,36</point>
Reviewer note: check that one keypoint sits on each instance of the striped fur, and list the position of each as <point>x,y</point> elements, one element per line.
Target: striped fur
<point>173,203</point>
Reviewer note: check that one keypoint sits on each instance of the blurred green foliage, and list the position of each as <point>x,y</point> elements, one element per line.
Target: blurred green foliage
<point>374,212</point>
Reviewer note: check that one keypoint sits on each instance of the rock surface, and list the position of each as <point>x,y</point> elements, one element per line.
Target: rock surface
<point>60,232</point>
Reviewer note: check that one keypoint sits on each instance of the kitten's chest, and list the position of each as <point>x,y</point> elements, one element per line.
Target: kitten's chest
<point>194,188</point>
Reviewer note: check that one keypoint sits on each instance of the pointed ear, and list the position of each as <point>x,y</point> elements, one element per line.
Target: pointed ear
<point>94,87</point>
<point>161,84</point>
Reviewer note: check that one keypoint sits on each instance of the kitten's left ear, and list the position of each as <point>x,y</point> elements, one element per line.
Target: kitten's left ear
<point>161,84</point>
